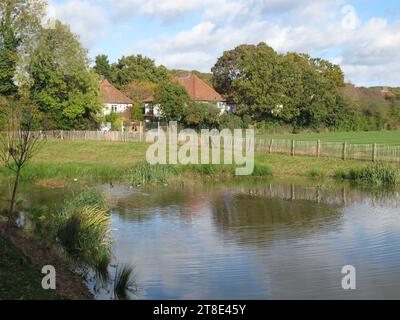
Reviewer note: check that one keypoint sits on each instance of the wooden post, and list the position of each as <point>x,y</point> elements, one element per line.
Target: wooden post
<point>344,153</point>
<point>293,148</point>
<point>318,148</point>
<point>374,152</point>
<point>62,135</point>
<point>271,145</point>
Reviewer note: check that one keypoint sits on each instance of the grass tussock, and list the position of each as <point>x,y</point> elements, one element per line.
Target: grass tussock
<point>83,229</point>
<point>124,281</point>
<point>316,174</point>
<point>145,173</point>
<point>262,171</point>
<point>378,174</point>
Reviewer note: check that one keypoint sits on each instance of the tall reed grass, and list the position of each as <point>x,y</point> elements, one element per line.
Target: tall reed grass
<point>83,229</point>
<point>378,174</point>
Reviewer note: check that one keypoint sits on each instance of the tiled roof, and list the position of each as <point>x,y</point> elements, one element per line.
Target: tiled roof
<point>110,94</point>
<point>197,89</point>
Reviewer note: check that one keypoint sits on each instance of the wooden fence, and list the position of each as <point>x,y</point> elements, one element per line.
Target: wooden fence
<point>337,150</point>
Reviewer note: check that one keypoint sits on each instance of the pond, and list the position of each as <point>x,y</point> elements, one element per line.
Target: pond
<point>253,240</point>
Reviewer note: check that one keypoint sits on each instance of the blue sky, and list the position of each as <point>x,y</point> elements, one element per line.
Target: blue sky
<point>363,36</point>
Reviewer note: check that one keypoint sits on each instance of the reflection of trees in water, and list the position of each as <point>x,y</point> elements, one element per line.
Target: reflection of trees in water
<point>261,214</point>
<point>256,219</point>
<point>174,202</point>
<point>188,202</point>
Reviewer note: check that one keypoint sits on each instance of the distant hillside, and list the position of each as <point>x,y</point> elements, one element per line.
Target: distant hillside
<point>394,90</point>
<point>377,95</point>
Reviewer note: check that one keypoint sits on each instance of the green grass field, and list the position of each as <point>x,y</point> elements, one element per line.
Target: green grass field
<point>111,161</point>
<point>370,137</point>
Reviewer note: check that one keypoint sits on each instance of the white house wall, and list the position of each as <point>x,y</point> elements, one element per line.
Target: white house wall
<point>115,107</point>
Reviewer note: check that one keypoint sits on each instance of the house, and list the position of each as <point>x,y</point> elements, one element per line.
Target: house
<point>151,109</point>
<point>114,99</point>
<point>198,91</point>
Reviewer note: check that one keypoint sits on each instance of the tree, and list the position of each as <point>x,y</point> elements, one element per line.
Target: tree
<point>201,115</point>
<point>293,88</point>
<point>8,54</point>
<point>137,68</point>
<point>18,144</point>
<point>62,84</point>
<point>102,66</point>
<point>173,99</point>
<point>139,90</point>
<point>20,21</point>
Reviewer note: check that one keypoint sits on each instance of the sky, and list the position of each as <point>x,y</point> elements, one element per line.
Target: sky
<point>362,36</point>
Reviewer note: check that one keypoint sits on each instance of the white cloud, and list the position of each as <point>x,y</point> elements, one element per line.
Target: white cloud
<point>368,51</point>
<point>88,20</point>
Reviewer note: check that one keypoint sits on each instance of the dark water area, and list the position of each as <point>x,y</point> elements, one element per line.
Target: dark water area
<point>252,241</point>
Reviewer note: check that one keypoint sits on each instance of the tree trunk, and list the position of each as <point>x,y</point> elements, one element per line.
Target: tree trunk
<point>14,193</point>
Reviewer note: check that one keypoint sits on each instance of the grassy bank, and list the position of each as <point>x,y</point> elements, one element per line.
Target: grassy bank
<point>18,278</point>
<point>106,162</point>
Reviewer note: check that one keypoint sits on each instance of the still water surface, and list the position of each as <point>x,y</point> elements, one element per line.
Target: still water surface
<point>270,241</point>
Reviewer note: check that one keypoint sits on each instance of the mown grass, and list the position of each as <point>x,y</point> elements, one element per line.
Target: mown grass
<point>105,162</point>
<point>370,137</point>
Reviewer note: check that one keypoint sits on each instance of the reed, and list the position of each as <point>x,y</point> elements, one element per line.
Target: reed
<point>83,229</point>
<point>124,281</point>
<point>377,174</point>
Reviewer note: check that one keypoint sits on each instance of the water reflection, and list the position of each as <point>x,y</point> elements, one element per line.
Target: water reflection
<point>268,242</point>
<point>265,241</point>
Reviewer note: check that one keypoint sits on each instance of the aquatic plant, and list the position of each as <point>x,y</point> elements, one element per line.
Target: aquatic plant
<point>87,197</point>
<point>123,281</point>
<point>262,171</point>
<point>377,174</point>
<point>144,173</point>
<point>315,174</point>
<point>85,233</point>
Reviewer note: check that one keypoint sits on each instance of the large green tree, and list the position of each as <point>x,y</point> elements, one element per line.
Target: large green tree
<point>292,88</point>
<point>63,86</point>
<point>19,22</point>
<point>173,100</point>
<point>137,68</point>
<point>102,66</point>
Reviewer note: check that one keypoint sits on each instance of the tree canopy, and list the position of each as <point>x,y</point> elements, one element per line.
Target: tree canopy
<point>131,68</point>
<point>19,22</point>
<point>62,84</point>
<point>293,88</point>
<point>173,99</point>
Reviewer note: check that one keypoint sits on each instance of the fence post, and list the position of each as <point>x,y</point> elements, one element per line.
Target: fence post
<point>271,145</point>
<point>293,147</point>
<point>344,150</point>
<point>318,148</point>
<point>374,152</point>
